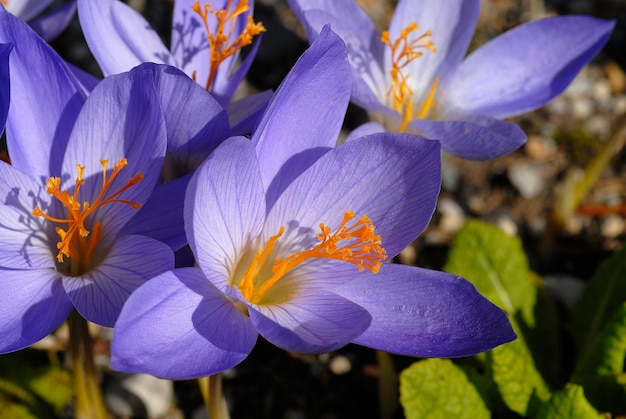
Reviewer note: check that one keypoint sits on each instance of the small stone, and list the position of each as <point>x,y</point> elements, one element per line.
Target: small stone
<point>613,226</point>
<point>138,395</point>
<point>582,107</point>
<point>452,215</point>
<point>527,179</point>
<point>539,148</point>
<point>340,365</point>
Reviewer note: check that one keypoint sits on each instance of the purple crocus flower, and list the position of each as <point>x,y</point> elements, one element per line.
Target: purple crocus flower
<point>292,236</point>
<point>206,40</point>
<point>48,26</point>
<point>416,78</point>
<point>80,168</point>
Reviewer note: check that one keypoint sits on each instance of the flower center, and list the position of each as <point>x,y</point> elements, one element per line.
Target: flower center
<point>223,43</point>
<point>77,242</point>
<point>403,52</point>
<point>354,241</point>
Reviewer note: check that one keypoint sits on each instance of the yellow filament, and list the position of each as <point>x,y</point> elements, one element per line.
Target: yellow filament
<point>361,247</point>
<point>221,44</point>
<point>403,52</point>
<point>74,242</point>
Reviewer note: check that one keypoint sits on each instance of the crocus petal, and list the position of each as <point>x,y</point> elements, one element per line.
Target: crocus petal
<point>34,305</point>
<point>27,9</point>
<point>23,240</point>
<point>121,118</point>
<point>393,179</point>
<point>162,216</point>
<point>5,85</point>
<point>244,113</point>
<point>99,294</point>
<point>474,138</point>
<point>527,66</point>
<point>119,37</point>
<point>226,84</point>
<point>86,80</point>
<point>304,118</point>
<point>310,322</point>
<point>365,129</point>
<point>452,24</point>
<point>365,50</point>
<point>52,24</point>
<point>45,118</point>
<point>224,208</point>
<point>179,326</point>
<point>419,312</point>
<point>196,123</point>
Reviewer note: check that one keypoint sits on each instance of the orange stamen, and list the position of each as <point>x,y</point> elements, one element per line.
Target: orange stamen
<point>5,3</point>
<point>362,248</point>
<point>403,52</point>
<point>221,43</point>
<point>74,242</point>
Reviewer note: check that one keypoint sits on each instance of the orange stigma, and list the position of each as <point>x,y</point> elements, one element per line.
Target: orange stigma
<point>360,246</point>
<point>221,42</point>
<point>403,52</point>
<point>74,243</point>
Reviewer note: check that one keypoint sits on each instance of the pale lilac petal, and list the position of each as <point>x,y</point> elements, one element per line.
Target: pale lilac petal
<point>196,123</point>
<point>162,216</point>
<point>452,24</point>
<point>362,130</point>
<point>393,179</point>
<point>24,239</point>
<point>27,9</point>
<point>474,138</point>
<point>122,118</point>
<point>179,326</point>
<point>224,208</point>
<point>304,118</point>
<point>365,50</point>
<point>5,84</point>
<point>99,294</point>
<point>310,322</point>
<point>45,118</point>
<point>419,312</point>
<point>52,24</point>
<point>119,37</point>
<point>34,304</point>
<point>524,68</point>
<point>244,113</point>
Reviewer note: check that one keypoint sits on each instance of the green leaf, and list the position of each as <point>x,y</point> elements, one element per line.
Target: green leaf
<point>437,388</point>
<point>608,349</point>
<point>569,403</point>
<point>496,264</point>
<point>518,381</point>
<point>603,295</point>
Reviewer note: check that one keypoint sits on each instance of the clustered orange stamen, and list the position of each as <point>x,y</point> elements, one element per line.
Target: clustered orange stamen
<point>363,249</point>
<point>74,242</point>
<point>219,46</point>
<point>5,3</point>
<point>403,52</point>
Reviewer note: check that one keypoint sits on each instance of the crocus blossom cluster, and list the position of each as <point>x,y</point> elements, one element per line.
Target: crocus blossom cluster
<point>415,78</point>
<point>49,25</point>
<point>293,235</point>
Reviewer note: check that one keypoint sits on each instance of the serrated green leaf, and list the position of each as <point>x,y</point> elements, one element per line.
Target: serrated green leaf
<point>437,388</point>
<point>517,378</point>
<point>497,266</point>
<point>569,403</point>
<point>607,393</point>
<point>54,385</point>
<point>603,295</point>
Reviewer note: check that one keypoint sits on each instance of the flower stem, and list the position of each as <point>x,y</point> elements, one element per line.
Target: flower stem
<point>211,389</point>
<point>89,402</point>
